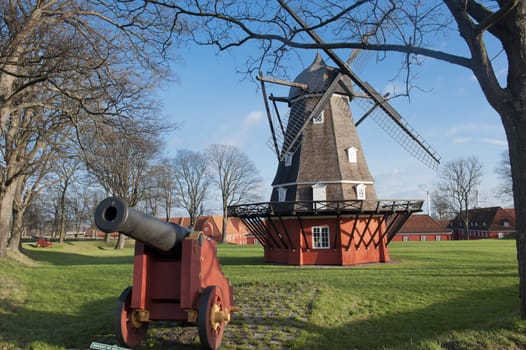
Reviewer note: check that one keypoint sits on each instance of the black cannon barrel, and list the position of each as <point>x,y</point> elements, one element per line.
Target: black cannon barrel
<point>114,215</point>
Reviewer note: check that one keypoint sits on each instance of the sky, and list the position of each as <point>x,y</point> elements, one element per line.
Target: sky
<point>215,105</point>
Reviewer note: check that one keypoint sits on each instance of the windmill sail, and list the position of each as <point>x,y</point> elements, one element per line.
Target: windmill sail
<point>399,130</point>
<point>385,115</point>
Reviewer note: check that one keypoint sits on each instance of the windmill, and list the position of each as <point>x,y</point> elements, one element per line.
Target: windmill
<point>323,208</point>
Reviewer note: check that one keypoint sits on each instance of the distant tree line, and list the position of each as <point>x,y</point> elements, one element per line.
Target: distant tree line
<point>190,180</point>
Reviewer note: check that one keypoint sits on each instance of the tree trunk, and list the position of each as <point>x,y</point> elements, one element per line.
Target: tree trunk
<point>517,149</point>
<point>225,223</point>
<point>6,216</point>
<point>16,237</point>
<point>121,241</point>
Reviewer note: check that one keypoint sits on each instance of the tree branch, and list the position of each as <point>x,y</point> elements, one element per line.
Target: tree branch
<point>488,20</point>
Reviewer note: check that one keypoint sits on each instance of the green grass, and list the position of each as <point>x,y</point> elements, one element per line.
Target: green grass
<point>434,295</point>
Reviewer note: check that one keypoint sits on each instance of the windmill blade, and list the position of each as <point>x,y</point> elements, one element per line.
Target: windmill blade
<point>415,141</point>
<point>401,132</point>
<point>289,139</point>
<point>292,137</point>
<point>269,115</point>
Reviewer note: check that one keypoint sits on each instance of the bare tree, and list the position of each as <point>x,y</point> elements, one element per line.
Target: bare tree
<point>442,207</point>
<point>458,183</point>
<point>67,176</point>
<point>119,161</point>
<point>505,190</point>
<point>191,182</point>
<point>65,62</point>
<point>235,176</point>
<point>159,189</point>
<point>80,206</point>
<point>166,187</point>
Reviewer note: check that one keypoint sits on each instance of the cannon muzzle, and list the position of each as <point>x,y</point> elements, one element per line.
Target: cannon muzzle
<point>114,215</point>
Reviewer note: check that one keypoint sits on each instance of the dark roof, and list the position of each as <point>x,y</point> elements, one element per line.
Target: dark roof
<point>422,223</point>
<point>315,77</point>
<point>489,219</point>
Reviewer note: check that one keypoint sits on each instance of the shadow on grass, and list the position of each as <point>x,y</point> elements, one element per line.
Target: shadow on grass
<point>401,330</point>
<point>241,260</point>
<point>474,311</point>
<point>24,328</point>
<point>68,259</point>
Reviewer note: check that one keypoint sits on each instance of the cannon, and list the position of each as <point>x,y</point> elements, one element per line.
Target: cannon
<point>176,277</point>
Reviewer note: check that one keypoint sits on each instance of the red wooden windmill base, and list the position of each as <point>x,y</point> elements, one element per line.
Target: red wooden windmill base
<point>326,232</point>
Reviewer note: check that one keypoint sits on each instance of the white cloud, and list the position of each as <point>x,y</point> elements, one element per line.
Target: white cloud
<point>483,140</point>
<point>241,135</point>
<point>475,128</point>
<point>253,118</point>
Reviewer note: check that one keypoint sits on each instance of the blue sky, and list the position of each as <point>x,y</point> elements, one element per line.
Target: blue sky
<point>214,105</point>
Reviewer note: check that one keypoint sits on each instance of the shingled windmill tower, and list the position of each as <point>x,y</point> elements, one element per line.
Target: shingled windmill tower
<point>323,207</point>
<point>321,157</point>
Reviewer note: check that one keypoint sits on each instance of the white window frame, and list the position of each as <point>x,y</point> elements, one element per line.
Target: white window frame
<point>319,195</point>
<point>321,238</point>
<point>405,238</point>
<point>360,192</point>
<point>438,238</point>
<point>423,238</point>
<point>319,119</point>
<point>288,159</point>
<point>352,154</point>
<point>282,194</point>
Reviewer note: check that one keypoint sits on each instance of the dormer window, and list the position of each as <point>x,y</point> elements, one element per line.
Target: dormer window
<point>282,194</point>
<point>360,192</point>
<point>505,223</point>
<point>318,119</point>
<point>319,195</point>
<point>319,192</point>
<point>288,159</point>
<point>352,154</point>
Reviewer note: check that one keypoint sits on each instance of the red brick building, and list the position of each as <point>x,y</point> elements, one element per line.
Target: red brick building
<point>492,222</point>
<point>211,226</point>
<point>422,227</point>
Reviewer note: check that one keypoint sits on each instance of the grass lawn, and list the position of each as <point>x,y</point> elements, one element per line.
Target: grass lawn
<point>434,295</point>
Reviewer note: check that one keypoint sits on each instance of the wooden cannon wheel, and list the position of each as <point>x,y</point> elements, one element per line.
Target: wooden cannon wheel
<point>128,330</point>
<point>212,317</point>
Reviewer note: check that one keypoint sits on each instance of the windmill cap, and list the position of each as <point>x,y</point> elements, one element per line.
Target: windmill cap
<point>316,77</point>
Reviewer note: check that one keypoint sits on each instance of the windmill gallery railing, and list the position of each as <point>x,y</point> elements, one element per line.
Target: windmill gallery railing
<point>260,218</point>
<point>307,208</point>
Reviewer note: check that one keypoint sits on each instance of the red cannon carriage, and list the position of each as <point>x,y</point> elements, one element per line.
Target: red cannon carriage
<point>176,277</point>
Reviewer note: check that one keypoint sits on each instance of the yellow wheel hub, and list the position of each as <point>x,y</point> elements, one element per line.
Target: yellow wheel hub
<point>218,316</point>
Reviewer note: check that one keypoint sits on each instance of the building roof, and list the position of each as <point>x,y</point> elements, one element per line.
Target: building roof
<point>215,222</point>
<point>317,77</point>
<point>422,223</point>
<point>488,219</point>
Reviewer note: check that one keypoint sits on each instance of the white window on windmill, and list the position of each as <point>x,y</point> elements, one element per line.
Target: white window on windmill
<point>288,159</point>
<point>352,154</point>
<point>319,195</point>
<point>282,194</point>
<point>320,237</point>
<point>360,192</point>
<point>318,119</point>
